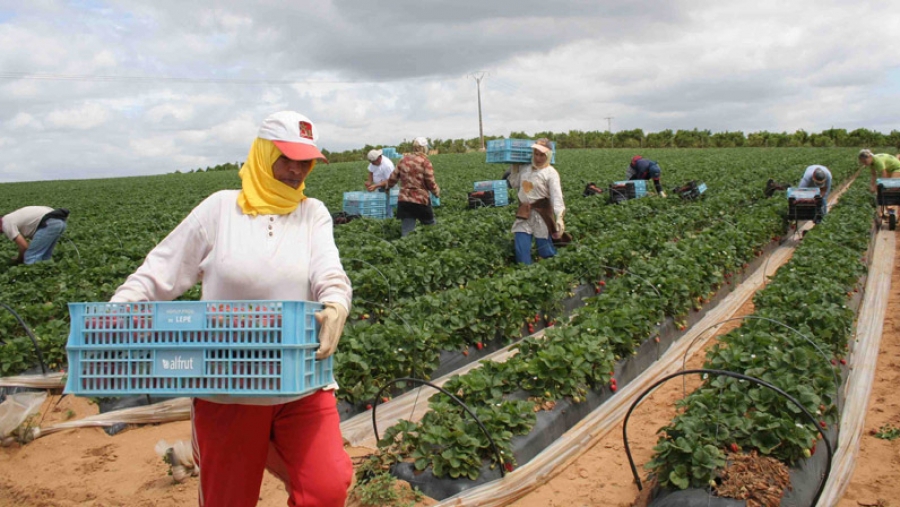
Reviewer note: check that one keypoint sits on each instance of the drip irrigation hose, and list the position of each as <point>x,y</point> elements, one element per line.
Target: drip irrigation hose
<point>386,241</point>
<point>37,348</point>
<point>496,449</point>
<point>634,472</point>
<point>386,281</point>
<point>76,249</point>
<point>837,385</point>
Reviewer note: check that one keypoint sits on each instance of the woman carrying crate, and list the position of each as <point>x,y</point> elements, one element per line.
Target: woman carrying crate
<point>416,177</point>
<point>883,165</point>
<point>541,206</point>
<point>267,241</point>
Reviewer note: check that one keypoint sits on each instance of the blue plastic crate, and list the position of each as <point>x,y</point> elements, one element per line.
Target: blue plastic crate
<point>394,198</point>
<point>367,204</point>
<point>640,187</point>
<point>494,185</point>
<point>513,151</point>
<point>802,193</point>
<point>195,348</point>
<point>888,182</point>
<point>390,152</point>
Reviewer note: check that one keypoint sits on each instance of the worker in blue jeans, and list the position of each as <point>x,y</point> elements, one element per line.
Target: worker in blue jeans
<point>818,176</point>
<point>35,230</point>
<point>539,217</point>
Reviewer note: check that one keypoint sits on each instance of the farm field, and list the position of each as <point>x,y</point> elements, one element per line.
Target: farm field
<point>446,295</point>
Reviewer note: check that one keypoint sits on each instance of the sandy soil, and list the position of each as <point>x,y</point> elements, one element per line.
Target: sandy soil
<point>88,467</point>
<point>876,478</point>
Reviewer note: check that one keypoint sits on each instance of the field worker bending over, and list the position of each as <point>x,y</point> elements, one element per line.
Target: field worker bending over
<point>416,177</point>
<point>380,169</point>
<point>35,230</point>
<point>818,176</point>
<point>267,241</point>
<point>883,165</point>
<point>541,207</point>
<point>645,169</point>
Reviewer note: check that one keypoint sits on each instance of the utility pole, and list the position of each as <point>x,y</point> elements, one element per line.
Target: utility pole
<point>478,77</point>
<point>609,120</point>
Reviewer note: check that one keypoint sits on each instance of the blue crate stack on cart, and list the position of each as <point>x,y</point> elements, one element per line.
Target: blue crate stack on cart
<point>390,152</point>
<point>195,348</point>
<point>499,187</point>
<point>367,204</point>
<point>513,151</point>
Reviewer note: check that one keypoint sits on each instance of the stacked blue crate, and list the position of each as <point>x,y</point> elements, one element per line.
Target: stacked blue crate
<point>390,152</point>
<point>499,187</point>
<point>395,196</point>
<point>367,204</point>
<point>513,151</point>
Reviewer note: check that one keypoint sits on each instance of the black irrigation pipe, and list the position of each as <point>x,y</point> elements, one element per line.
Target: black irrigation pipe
<point>386,281</point>
<point>37,348</point>
<point>634,472</point>
<point>837,384</point>
<point>497,452</point>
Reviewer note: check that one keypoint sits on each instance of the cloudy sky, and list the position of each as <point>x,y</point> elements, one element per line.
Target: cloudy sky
<point>97,88</point>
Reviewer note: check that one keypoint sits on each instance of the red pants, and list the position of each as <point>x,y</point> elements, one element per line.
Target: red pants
<point>298,442</point>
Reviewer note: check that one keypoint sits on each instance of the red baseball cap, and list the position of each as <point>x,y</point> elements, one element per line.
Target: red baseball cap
<point>293,134</point>
<point>635,159</point>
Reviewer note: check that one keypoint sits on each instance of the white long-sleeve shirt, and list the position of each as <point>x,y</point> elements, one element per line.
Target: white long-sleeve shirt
<point>535,184</point>
<point>289,257</point>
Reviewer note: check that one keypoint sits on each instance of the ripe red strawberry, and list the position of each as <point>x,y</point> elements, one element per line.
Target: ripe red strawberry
<point>465,352</point>
<point>843,361</point>
<point>385,399</point>
<point>508,466</point>
<point>369,406</point>
<point>734,447</point>
<point>823,425</point>
<point>479,345</point>
<point>602,283</point>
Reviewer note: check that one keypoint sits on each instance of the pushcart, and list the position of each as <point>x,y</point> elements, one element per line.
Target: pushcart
<point>620,191</point>
<point>690,191</point>
<point>888,194</point>
<point>804,204</point>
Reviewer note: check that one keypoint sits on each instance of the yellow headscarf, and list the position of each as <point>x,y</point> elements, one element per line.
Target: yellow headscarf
<point>261,193</point>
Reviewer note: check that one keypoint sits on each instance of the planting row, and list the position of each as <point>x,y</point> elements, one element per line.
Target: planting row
<point>803,313</point>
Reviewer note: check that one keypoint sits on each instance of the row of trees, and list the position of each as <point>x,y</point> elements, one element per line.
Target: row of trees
<point>665,139</point>
<point>860,138</point>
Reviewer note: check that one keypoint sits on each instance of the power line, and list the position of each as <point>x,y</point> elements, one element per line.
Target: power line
<point>196,80</point>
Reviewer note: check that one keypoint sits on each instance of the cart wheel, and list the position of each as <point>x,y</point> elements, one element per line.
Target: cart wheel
<point>892,221</point>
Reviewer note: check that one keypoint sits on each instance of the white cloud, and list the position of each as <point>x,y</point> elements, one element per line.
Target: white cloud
<point>180,85</point>
<point>82,117</point>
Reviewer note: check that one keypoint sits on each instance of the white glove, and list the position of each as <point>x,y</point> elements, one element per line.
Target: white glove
<point>331,324</point>
<point>662,194</point>
<point>560,224</point>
